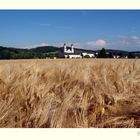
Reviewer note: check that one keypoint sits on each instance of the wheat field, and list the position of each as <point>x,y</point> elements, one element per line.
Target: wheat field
<point>70,93</point>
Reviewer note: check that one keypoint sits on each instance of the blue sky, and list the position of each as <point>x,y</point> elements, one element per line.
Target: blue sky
<point>89,29</point>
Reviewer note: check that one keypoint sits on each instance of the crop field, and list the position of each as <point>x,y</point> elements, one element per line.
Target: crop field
<point>70,93</point>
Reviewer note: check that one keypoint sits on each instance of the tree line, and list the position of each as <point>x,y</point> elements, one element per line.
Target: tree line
<point>103,54</point>
<point>12,53</point>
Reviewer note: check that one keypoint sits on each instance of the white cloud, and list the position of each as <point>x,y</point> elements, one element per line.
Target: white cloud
<point>134,37</point>
<point>36,45</point>
<point>77,45</point>
<point>130,43</point>
<point>97,43</point>
<point>57,44</point>
<point>122,36</point>
<point>133,40</point>
<point>60,44</point>
<point>138,42</point>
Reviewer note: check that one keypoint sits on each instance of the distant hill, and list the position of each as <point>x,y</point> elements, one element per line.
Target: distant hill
<point>117,52</point>
<point>49,51</point>
<point>44,49</point>
<point>136,52</point>
<point>38,52</point>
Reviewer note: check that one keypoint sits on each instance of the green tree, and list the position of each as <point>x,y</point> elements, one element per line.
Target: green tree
<point>102,53</point>
<point>86,56</point>
<point>131,55</point>
<point>110,55</point>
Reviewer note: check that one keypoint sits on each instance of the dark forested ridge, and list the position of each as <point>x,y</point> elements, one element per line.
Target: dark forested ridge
<point>53,51</point>
<point>17,53</point>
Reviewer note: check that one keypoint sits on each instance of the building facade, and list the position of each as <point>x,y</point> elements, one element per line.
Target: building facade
<point>71,52</point>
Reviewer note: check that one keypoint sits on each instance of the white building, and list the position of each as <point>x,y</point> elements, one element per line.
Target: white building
<point>68,49</point>
<point>70,52</point>
<point>91,55</point>
<point>116,56</point>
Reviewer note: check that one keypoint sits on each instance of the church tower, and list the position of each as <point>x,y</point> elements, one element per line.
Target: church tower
<point>65,47</point>
<point>72,48</point>
<point>68,49</point>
